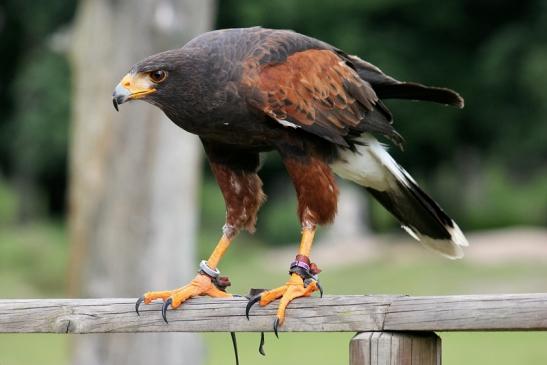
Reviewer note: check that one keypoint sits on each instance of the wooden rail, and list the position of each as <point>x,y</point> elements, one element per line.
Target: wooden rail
<point>359,313</point>
<point>383,322</point>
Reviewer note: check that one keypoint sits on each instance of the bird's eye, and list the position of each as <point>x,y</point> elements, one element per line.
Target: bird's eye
<point>158,76</point>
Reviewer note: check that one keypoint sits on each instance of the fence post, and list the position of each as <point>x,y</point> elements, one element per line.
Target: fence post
<point>395,348</point>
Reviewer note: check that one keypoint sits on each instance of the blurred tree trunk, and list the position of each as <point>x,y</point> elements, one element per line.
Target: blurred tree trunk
<point>134,175</point>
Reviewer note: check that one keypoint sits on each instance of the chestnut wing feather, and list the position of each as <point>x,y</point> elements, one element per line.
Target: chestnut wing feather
<point>315,90</point>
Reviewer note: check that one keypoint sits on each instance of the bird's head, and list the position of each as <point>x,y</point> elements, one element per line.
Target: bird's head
<point>154,79</point>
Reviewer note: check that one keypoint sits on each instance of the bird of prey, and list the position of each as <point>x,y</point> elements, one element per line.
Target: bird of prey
<point>252,90</point>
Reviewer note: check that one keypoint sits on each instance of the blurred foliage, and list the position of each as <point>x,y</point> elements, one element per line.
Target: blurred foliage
<point>485,163</point>
<point>33,260</point>
<point>39,124</point>
<point>8,204</point>
<point>496,199</point>
<point>34,102</point>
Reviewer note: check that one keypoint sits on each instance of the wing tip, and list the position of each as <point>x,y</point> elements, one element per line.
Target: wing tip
<point>459,101</point>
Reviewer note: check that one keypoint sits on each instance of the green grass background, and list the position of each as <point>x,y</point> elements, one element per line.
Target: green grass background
<point>33,264</point>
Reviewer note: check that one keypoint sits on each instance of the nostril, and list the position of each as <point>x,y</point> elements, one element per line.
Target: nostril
<point>126,84</point>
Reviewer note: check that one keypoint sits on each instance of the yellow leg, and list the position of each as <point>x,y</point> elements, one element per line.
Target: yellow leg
<point>294,288</point>
<point>306,241</point>
<point>200,285</point>
<point>219,251</point>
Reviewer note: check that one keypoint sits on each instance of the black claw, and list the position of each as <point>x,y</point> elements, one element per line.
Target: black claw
<point>164,309</point>
<point>138,304</point>
<point>251,302</point>
<point>234,343</point>
<point>261,346</point>
<point>320,289</point>
<point>276,324</point>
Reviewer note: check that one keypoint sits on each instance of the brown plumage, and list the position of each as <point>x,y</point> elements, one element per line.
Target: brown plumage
<point>247,91</point>
<point>317,91</point>
<point>315,187</point>
<point>241,187</point>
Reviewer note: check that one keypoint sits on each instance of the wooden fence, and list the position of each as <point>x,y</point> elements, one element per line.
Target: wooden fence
<point>390,329</point>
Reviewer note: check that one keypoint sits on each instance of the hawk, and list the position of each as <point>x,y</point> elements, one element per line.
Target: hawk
<point>252,90</point>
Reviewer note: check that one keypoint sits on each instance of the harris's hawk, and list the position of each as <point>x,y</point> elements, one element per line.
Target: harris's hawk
<point>252,90</point>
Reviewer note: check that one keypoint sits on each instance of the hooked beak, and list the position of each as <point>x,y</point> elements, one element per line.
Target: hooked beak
<point>132,86</point>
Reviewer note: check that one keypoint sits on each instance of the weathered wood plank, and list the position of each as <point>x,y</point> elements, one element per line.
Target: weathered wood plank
<point>196,315</point>
<point>468,313</point>
<point>329,314</point>
<point>395,348</point>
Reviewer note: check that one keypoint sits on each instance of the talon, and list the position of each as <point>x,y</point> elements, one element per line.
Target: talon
<point>137,305</point>
<point>251,302</point>
<point>320,289</point>
<point>275,325</point>
<point>164,309</point>
<point>261,346</point>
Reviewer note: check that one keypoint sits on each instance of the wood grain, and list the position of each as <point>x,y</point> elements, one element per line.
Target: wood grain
<point>395,348</point>
<point>329,314</point>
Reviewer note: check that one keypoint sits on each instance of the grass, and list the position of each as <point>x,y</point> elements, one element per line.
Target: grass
<point>33,260</point>
<point>33,264</point>
<point>31,349</point>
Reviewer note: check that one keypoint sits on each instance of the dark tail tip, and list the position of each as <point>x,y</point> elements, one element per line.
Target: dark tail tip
<point>415,91</point>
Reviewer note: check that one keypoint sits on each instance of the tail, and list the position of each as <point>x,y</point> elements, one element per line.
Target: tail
<point>372,167</point>
<point>386,87</point>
